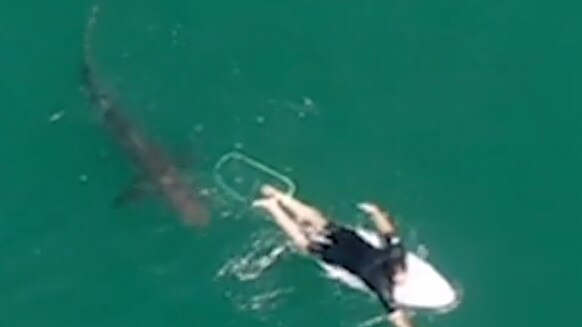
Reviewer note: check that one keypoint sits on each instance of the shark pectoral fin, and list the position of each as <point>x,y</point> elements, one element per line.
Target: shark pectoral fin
<point>138,189</point>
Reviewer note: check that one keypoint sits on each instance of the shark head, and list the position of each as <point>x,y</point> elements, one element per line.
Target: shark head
<point>184,200</point>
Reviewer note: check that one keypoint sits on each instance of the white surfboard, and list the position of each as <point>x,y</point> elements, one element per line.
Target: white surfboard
<point>424,288</point>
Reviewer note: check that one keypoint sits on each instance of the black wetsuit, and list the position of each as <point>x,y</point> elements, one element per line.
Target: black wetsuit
<point>374,266</point>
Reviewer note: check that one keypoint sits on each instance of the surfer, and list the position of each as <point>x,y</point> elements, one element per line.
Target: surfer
<point>379,269</point>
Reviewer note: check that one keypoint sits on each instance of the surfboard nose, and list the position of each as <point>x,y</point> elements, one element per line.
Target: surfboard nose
<point>444,295</point>
<point>424,287</point>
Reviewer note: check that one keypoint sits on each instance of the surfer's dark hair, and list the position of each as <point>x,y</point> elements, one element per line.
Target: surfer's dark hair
<point>398,256</point>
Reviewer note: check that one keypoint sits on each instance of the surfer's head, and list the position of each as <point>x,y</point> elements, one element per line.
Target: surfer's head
<point>397,257</point>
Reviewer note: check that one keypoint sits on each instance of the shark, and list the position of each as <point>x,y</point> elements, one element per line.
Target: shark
<point>155,166</point>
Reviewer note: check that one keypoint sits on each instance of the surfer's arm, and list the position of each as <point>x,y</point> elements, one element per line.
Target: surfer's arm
<point>381,219</point>
<point>399,318</point>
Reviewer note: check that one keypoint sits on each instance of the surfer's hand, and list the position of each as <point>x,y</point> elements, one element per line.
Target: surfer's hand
<point>368,207</point>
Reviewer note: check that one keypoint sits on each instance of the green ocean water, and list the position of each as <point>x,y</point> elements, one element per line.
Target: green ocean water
<point>463,118</point>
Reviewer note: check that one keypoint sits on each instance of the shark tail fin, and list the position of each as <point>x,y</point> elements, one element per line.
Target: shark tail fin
<point>89,78</point>
<point>88,60</point>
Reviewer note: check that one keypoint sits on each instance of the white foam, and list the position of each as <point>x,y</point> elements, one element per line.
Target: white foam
<point>55,117</point>
<point>263,253</point>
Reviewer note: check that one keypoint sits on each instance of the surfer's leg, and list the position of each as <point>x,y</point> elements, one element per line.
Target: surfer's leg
<point>285,222</point>
<point>302,212</point>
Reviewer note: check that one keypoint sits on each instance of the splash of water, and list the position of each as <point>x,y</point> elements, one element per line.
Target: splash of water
<point>264,251</point>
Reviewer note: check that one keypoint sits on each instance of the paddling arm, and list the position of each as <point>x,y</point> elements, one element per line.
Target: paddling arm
<point>396,315</point>
<point>400,319</point>
<point>381,219</point>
